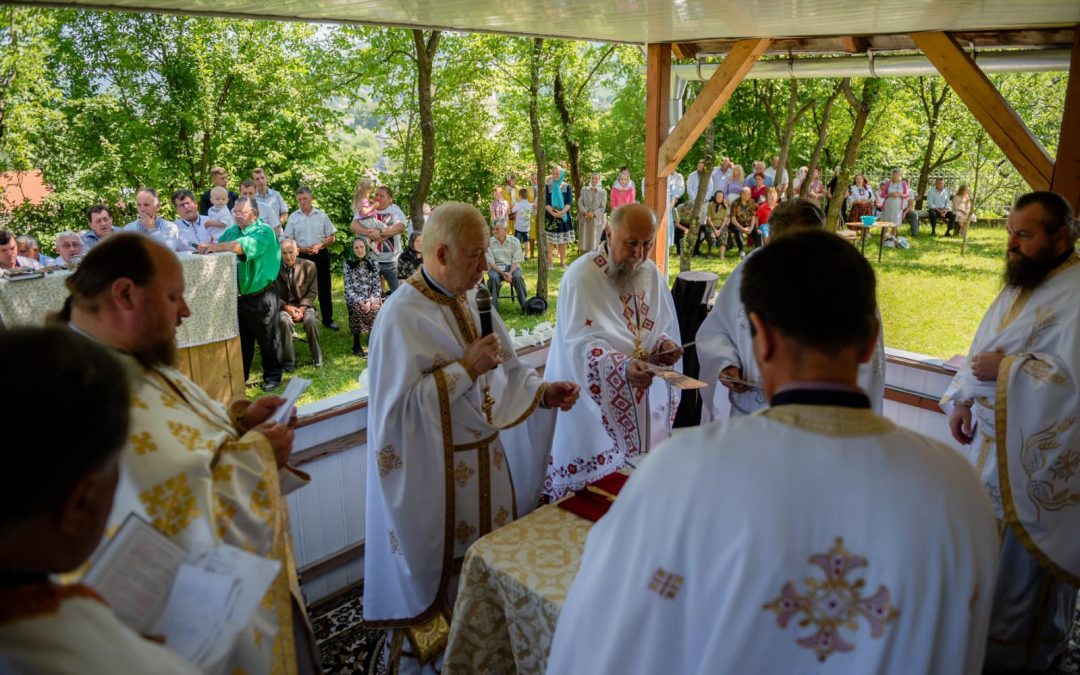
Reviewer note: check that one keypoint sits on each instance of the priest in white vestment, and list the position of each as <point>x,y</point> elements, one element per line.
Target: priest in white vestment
<point>724,342</point>
<point>201,473</point>
<point>615,316</point>
<point>811,537</point>
<point>1015,404</point>
<point>54,502</point>
<point>457,445</point>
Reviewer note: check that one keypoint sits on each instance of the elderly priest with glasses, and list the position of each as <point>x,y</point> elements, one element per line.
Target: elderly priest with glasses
<point>451,408</point>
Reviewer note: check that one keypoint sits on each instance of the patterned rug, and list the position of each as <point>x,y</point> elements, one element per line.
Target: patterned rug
<point>346,647</point>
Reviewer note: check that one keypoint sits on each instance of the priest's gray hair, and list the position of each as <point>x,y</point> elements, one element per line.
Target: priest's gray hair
<point>448,224</point>
<point>619,215</point>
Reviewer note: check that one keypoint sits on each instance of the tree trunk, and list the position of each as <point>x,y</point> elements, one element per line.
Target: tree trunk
<point>822,133</point>
<point>974,193</point>
<point>851,150</point>
<point>690,238</point>
<point>425,58</point>
<point>573,148</point>
<point>541,168</point>
<point>932,109</point>
<point>787,132</point>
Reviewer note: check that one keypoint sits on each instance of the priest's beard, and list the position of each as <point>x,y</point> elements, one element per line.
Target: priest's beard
<point>160,353</point>
<point>625,275</point>
<point>1027,272</point>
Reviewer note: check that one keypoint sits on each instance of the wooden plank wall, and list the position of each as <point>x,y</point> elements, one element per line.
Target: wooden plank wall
<point>910,414</point>
<point>327,515</point>
<point>216,367</point>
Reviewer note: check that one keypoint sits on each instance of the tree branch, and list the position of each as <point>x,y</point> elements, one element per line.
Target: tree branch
<point>581,87</point>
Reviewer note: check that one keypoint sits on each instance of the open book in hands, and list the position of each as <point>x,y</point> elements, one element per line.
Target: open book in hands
<point>199,601</point>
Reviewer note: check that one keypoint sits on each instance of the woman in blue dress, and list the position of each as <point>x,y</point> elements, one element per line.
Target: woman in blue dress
<point>558,225</point>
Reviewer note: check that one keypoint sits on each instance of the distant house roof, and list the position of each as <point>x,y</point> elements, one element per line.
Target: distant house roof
<point>18,187</point>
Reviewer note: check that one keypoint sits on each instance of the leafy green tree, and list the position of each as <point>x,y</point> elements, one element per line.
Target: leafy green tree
<point>27,98</point>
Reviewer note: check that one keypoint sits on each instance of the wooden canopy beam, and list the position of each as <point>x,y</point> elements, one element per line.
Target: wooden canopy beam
<point>716,92</point>
<point>1066,179</point>
<point>657,121</point>
<point>988,106</point>
<point>854,44</point>
<point>682,50</point>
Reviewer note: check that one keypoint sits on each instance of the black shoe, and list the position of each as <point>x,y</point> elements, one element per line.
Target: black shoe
<point>270,385</point>
<point>359,351</point>
<point>332,325</point>
<point>289,369</point>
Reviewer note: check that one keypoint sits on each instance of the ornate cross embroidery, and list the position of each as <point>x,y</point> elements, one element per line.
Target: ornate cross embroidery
<point>834,603</point>
<point>666,584</point>
<point>462,473</point>
<point>464,532</point>
<point>388,461</point>
<point>170,504</point>
<point>143,443</point>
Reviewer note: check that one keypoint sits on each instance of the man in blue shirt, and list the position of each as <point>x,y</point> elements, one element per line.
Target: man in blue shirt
<point>153,225</point>
<point>190,226</point>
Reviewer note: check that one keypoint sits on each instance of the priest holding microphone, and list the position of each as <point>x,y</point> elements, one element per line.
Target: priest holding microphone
<point>453,414</point>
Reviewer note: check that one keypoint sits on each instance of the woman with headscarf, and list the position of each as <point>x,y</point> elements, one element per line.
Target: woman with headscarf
<point>622,192</point>
<point>411,258</point>
<point>800,177</point>
<point>816,191</point>
<point>363,293</point>
<point>894,197</point>
<point>591,216</point>
<point>557,223</point>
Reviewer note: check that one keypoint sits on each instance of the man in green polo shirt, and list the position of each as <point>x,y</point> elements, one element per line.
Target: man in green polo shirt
<point>258,261</point>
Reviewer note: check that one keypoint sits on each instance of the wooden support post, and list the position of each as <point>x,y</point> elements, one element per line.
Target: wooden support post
<point>1066,179</point>
<point>716,92</point>
<point>657,121</point>
<point>988,106</point>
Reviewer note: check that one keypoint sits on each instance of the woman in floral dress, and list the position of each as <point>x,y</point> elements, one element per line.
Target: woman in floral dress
<point>363,294</point>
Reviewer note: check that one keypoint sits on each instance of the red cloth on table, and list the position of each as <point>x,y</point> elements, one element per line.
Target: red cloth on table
<point>591,506</point>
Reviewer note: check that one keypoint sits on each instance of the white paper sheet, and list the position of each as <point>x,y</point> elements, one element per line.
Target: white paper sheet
<point>293,391</point>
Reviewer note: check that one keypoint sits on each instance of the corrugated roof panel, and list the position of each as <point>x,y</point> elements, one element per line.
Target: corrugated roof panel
<point>641,21</point>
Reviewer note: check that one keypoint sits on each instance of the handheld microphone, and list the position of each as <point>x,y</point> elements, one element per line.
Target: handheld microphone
<point>483,305</point>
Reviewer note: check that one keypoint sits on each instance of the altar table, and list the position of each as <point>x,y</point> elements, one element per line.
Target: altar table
<point>514,582</point>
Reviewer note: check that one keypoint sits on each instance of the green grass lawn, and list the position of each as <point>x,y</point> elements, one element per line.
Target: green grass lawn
<point>931,302</point>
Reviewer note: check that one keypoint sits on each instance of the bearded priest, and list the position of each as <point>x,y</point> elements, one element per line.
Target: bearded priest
<point>812,537</point>
<point>452,415</point>
<point>1015,405</point>
<point>615,317</point>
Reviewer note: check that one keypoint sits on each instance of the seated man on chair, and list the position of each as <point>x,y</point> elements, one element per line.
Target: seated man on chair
<point>298,285</point>
<point>504,258</point>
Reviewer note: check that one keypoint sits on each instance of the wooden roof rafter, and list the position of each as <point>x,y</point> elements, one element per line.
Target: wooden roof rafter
<point>858,44</point>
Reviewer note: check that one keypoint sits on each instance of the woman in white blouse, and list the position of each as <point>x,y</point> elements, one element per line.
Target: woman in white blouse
<point>860,200</point>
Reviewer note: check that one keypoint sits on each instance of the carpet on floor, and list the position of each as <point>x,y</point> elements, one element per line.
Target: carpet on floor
<point>346,647</point>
